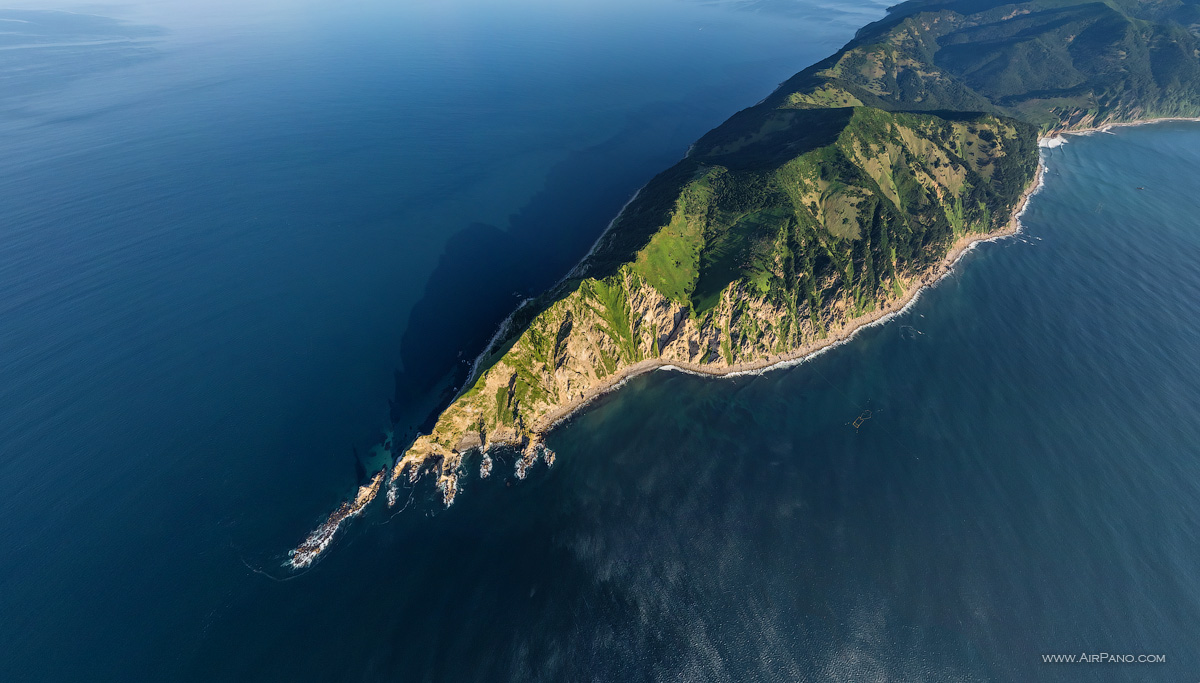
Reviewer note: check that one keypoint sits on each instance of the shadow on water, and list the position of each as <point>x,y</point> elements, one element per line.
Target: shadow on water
<point>485,270</point>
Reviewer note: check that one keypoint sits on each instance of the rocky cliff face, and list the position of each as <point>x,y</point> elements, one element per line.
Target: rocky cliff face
<point>753,262</point>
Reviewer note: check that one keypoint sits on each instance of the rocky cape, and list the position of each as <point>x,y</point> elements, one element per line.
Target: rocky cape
<point>825,207</point>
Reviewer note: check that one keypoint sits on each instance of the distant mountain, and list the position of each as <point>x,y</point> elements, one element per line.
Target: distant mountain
<point>1058,64</point>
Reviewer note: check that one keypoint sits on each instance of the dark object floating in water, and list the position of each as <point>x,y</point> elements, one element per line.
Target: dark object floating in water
<point>862,417</point>
<point>1141,188</point>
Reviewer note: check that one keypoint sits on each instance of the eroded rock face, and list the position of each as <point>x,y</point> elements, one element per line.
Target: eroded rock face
<point>800,270</point>
<point>506,408</point>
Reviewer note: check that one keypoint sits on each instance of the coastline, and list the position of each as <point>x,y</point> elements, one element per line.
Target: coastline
<point>1122,124</point>
<point>813,349</point>
<point>520,415</point>
<point>799,355</point>
<point>320,538</point>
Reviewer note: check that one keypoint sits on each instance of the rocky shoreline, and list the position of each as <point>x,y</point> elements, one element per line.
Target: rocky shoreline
<point>826,208</point>
<point>530,447</point>
<point>447,467</point>
<point>913,291</point>
<point>1105,127</point>
<point>529,444</point>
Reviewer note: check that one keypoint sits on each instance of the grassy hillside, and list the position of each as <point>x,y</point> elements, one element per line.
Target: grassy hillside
<point>751,253</point>
<point>832,198</point>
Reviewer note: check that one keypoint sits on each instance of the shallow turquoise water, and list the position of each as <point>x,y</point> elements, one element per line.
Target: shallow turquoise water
<point>221,238</point>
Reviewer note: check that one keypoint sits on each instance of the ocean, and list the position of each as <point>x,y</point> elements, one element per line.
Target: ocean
<point>242,243</point>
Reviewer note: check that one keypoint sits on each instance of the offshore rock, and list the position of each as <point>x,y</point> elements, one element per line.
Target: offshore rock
<point>320,538</point>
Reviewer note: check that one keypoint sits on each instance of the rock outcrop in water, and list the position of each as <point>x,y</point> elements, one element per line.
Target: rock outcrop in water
<point>824,207</point>
<point>320,538</point>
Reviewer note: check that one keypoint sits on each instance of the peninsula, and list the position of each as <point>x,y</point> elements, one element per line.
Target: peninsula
<point>825,207</point>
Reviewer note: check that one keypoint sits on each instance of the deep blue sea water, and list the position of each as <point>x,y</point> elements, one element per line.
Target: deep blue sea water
<point>229,235</point>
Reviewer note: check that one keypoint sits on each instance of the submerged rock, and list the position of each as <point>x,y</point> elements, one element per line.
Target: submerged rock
<point>449,488</point>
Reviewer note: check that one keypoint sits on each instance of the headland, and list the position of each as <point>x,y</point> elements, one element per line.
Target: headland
<point>827,207</point>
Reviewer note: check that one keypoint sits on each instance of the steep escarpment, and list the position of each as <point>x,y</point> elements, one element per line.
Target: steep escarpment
<point>822,207</point>
<point>774,240</point>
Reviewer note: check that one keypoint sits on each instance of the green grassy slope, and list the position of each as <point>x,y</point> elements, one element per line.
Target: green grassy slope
<point>753,253</point>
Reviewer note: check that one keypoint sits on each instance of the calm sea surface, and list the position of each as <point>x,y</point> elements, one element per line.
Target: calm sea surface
<point>229,235</point>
